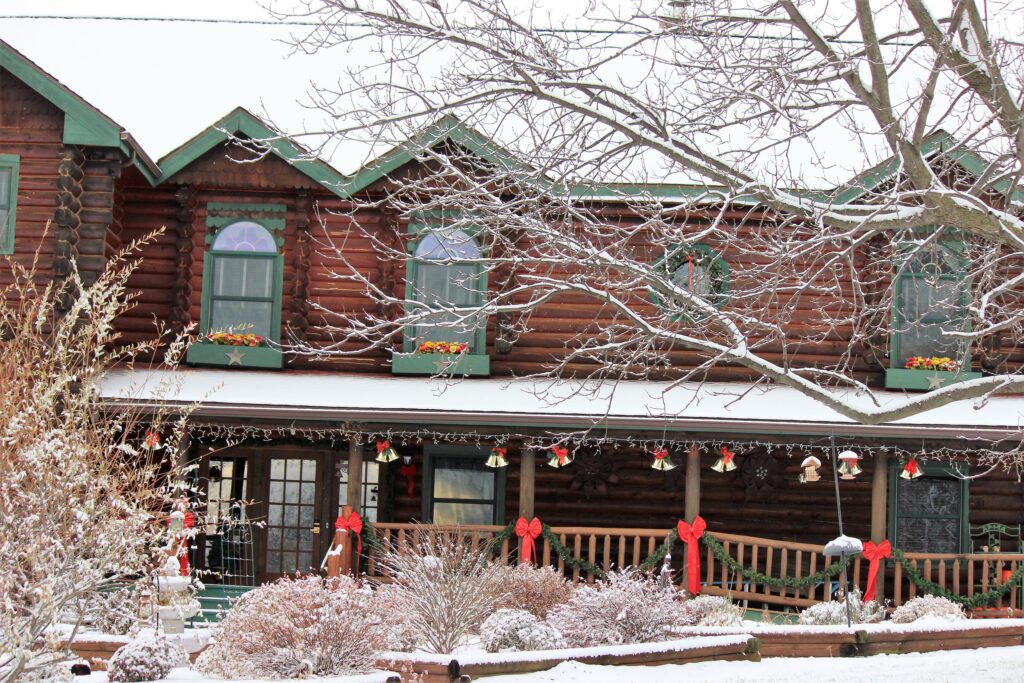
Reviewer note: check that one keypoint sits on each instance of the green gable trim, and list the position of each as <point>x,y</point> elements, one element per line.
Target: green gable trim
<point>447,128</point>
<point>12,163</point>
<point>84,124</point>
<point>242,122</point>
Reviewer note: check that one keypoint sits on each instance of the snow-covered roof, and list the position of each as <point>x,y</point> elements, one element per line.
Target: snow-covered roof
<point>697,407</point>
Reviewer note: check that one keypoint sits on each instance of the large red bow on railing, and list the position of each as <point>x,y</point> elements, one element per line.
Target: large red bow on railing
<point>528,532</point>
<point>353,523</point>
<point>874,554</point>
<point>689,534</point>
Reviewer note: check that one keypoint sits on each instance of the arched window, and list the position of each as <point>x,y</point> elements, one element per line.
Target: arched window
<point>699,270</point>
<point>447,273</point>
<point>931,300</point>
<point>243,290</point>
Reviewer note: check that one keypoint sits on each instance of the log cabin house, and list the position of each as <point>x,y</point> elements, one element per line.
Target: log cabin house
<point>303,431</point>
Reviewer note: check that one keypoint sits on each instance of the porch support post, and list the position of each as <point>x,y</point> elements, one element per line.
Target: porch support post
<point>355,474</point>
<point>692,490</point>
<point>527,470</point>
<point>879,510</point>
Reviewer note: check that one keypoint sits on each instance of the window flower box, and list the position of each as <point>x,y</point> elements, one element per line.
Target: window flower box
<point>456,365</point>
<point>241,355</point>
<point>925,380</point>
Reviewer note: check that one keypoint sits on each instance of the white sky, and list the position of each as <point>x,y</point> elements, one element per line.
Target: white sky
<point>165,82</point>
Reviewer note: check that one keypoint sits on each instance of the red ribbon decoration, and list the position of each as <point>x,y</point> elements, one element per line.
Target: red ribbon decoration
<point>528,532</point>
<point>727,457</point>
<point>409,472</point>
<point>353,523</point>
<point>689,534</point>
<point>562,453</point>
<point>661,455</point>
<point>383,446</point>
<point>911,467</point>
<point>874,554</point>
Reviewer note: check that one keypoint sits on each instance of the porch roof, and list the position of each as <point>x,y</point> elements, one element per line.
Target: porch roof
<point>627,405</point>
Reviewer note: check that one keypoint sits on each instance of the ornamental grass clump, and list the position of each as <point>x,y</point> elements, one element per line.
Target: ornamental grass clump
<point>928,607</point>
<point>626,607</point>
<point>445,585</point>
<point>713,610</point>
<point>296,628</point>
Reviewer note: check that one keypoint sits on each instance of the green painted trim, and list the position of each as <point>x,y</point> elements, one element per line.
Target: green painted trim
<point>241,122</point>
<point>917,380</point>
<point>223,207</point>
<point>931,470</point>
<point>12,162</point>
<point>263,357</point>
<point>468,452</point>
<point>419,228</point>
<point>444,129</point>
<point>465,365</point>
<point>222,214</point>
<point>720,295</point>
<point>278,275</point>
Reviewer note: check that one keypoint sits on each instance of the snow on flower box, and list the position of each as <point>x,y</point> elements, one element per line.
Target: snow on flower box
<point>441,358</point>
<point>242,350</point>
<point>925,374</point>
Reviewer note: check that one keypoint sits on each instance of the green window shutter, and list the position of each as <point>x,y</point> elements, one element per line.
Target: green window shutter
<point>9,167</point>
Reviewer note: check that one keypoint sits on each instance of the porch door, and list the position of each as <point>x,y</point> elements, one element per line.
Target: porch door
<point>297,532</point>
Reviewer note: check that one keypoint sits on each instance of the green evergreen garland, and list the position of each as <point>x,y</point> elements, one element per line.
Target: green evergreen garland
<point>969,602</point>
<point>776,582</point>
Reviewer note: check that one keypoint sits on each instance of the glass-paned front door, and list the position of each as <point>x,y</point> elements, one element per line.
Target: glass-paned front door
<point>294,514</point>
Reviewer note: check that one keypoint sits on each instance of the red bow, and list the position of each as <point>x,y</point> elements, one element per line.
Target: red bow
<point>689,535</point>
<point>353,523</point>
<point>911,467</point>
<point>874,554</point>
<point>409,472</point>
<point>383,446</point>
<point>561,453</point>
<point>661,455</point>
<point>727,457</point>
<point>528,531</point>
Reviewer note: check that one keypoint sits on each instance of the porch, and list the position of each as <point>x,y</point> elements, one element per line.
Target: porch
<point>759,572</point>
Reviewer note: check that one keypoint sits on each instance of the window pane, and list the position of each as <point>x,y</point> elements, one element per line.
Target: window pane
<point>463,513</point>
<point>5,187</point>
<point>245,236</point>
<point>250,277</point>
<point>4,213</point>
<point>458,478</point>
<point>244,317</point>
<point>447,244</point>
<point>929,496</point>
<point>928,535</point>
<point>694,278</point>
<point>929,515</point>
<point>435,330</point>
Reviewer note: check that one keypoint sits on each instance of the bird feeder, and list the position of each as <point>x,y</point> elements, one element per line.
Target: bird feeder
<point>725,461</point>
<point>497,457</point>
<point>662,461</point>
<point>385,453</point>
<point>911,470</point>
<point>810,466</point>
<point>848,468</point>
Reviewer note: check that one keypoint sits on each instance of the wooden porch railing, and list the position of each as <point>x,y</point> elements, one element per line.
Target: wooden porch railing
<point>610,548</point>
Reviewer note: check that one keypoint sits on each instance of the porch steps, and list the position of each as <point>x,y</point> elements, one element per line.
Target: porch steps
<point>215,599</point>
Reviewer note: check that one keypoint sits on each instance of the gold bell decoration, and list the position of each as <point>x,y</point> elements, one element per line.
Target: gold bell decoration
<point>810,466</point>
<point>911,470</point>
<point>725,461</point>
<point>385,453</point>
<point>559,456</point>
<point>849,469</point>
<point>662,461</point>
<point>497,457</point>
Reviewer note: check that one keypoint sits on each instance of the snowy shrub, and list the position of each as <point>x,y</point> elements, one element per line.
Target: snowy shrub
<point>534,589</point>
<point>516,629</point>
<point>114,612</point>
<point>833,612</point>
<point>145,659</point>
<point>927,606</point>
<point>295,628</point>
<point>627,607</point>
<point>398,634</point>
<point>445,585</point>
<point>712,610</point>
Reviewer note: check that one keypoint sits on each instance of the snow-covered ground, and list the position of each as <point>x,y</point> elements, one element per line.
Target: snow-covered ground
<point>991,665</point>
